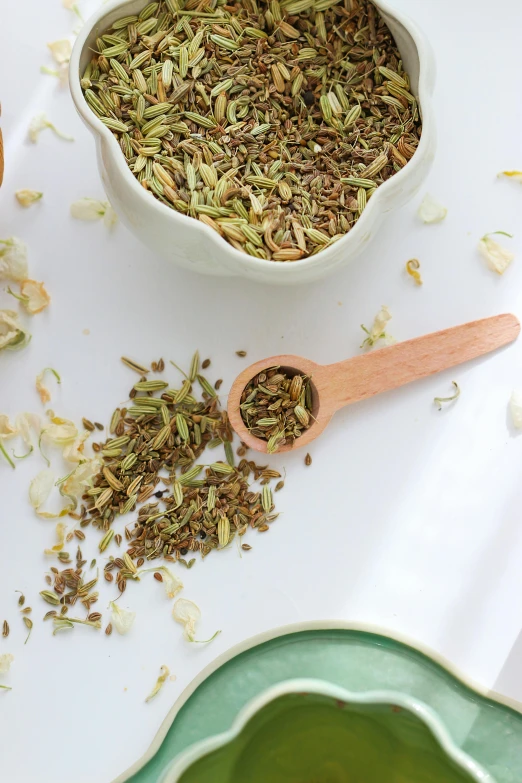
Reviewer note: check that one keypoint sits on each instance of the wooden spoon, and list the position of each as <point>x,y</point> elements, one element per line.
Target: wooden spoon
<point>337,385</point>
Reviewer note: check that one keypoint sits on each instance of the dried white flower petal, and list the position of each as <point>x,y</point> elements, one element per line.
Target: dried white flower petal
<point>60,432</point>
<point>430,211</point>
<point>61,531</point>
<point>61,73</point>
<point>187,613</point>
<point>6,428</point>
<point>164,673</point>
<point>515,406</point>
<point>172,583</point>
<point>34,297</point>
<point>110,218</point>
<point>378,330</point>
<point>26,422</point>
<point>88,209</point>
<point>13,336</point>
<point>27,197</point>
<point>122,619</point>
<point>73,452</point>
<point>40,123</point>
<point>6,660</point>
<point>516,175</point>
<point>497,257</point>
<point>40,488</point>
<point>80,479</point>
<point>13,259</point>
<point>43,391</point>
<point>91,209</point>
<point>61,51</point>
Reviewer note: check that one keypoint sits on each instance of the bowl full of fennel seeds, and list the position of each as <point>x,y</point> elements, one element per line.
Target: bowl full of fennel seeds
<point>259,138</point>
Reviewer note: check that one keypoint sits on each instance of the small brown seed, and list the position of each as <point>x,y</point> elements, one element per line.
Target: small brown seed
<point>88,425</point>
<point>308,459</point>
<point>241,353</point>
<point>158,576</point>
<point>205,364</point>
<point>246,547</point>
<point>218,383</point>
<point>5,629</point>
<point>98,425</point>
<point>108,630</point>
<point>108,576</point>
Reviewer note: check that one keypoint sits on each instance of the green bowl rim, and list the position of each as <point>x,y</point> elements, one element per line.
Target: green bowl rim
<point>299,627</point>
<point>306,686</point>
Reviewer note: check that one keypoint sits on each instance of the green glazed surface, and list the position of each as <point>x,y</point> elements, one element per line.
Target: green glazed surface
<point>489,732</point>
<point>312,738</point>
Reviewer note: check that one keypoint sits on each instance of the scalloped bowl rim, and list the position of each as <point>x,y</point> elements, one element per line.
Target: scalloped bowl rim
<point>195,752</point>
<point>177,218</point>
<point>299,627</point>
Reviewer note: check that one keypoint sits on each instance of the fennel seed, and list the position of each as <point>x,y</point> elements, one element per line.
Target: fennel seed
<point>273,123</point>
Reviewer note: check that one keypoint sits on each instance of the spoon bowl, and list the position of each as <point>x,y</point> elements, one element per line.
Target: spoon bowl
<point>291,365</point>
<point>336,385</point>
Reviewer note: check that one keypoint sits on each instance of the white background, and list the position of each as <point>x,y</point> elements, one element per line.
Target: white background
<point>409,518</point>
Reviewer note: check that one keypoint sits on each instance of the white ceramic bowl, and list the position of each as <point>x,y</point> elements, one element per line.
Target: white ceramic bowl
<point>193,245</point>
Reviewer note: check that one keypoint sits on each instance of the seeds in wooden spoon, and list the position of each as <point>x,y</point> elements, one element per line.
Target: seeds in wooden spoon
<point>277,407</point>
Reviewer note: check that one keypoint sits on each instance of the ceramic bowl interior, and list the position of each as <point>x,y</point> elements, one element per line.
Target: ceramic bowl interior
<point>311,732</point>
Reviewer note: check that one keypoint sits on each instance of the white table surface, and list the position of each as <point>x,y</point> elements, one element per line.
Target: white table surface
<point>409,518</point>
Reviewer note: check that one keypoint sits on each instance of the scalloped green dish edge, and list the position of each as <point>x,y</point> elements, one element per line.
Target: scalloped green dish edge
<point>358,658</point>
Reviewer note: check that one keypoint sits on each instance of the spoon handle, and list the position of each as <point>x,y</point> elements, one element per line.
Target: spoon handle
<point>388,368</point>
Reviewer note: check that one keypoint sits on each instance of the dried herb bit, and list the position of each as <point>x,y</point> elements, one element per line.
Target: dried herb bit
<point>187,613</point>
<point>50,597</point>
<point>5,629</point>
<point>135,366</point>
<point>241,353</point>
<point>515,175</point>
<point>308,460</point>
<point>439,400</point>
<point>271,123</point>
<point>158,366</point>
<point>378,330</point>
<point>276,407</point>
<point>497,257</point>
<point>66,623</point>
<point>430,211</point>
<point>412,268</point>
<point>28,624</point>
<point>164,673</point>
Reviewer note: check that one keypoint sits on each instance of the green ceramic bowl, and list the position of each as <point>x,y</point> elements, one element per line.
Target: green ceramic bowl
<point>310,731</point>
